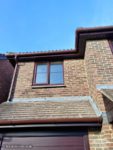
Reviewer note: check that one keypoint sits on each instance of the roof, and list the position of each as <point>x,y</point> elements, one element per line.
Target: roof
<point>82,35</point>
<point>44,112</point>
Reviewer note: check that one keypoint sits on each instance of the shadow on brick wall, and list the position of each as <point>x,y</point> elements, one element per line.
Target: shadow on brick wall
<point>109,108</point>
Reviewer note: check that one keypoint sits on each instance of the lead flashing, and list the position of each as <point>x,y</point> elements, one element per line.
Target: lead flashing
<point>104,86</point>
<point>51,99</point>
<point>94,106</point>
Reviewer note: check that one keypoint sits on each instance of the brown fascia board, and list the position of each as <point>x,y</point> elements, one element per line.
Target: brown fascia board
<point>40,56</point>
<point>97,120</point>
<point>82,35</point>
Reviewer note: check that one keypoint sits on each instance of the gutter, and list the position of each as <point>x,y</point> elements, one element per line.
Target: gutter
<point>13,79</point>
<point>81,121</point>
<point>52,125</point>
<point>45,56</point>
<point>40,53</point>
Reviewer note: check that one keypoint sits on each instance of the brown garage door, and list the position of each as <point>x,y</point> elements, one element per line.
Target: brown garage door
<point>44,143</point>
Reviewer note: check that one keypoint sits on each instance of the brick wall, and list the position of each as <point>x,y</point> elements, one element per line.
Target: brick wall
<point>6,72</point>
<point>99,67</point>
<point>101,139</point>
<point>74,78</point>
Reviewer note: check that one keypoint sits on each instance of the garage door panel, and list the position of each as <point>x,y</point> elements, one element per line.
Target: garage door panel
<point>44,143</point>
<point>58,148</point>
<point>44,148</point>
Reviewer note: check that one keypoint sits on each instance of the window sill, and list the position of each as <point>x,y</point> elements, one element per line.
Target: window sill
<point>47,86</point>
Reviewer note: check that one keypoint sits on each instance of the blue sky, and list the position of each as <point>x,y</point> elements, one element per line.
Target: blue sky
<point>40,25</point>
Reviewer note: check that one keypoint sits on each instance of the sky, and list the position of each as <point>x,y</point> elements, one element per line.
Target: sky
<point>41,25</point>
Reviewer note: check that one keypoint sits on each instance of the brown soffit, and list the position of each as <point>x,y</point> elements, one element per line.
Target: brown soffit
<point>55,120</point>
<point>82,34</point>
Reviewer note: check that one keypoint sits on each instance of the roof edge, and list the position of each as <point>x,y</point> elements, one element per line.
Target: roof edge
<point>41,52</point>
<point>54,120</point>
<point>40,56</point>
<point>84,34</point>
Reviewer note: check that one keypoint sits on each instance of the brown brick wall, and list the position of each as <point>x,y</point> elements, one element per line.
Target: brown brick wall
<point>6,73</point>
<point>74,77</point>
<point>99,67</point>
<point>101,139</point>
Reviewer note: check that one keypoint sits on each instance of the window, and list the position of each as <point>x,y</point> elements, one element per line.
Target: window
<point>49,73</point>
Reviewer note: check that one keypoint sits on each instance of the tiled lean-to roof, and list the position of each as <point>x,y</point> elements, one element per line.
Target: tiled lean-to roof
<point>46,111</point>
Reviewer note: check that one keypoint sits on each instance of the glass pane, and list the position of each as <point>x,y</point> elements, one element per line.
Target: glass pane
<point>56,67</point>
<point>41,78</point>
<point>56,78</point>
<point>41,68</point>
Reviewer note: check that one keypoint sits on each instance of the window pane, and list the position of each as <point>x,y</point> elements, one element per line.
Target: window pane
<point>41,74</point>
<point>41,68</point>
<point>56,73</point>
<point>41,78</point>
<point>56,67</point>
<point>56,78</point>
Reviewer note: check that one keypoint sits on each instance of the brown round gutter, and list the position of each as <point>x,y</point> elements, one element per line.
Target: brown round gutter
<point>50,121</point>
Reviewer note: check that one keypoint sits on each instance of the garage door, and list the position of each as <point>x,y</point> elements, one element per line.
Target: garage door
<point>44,143</point>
